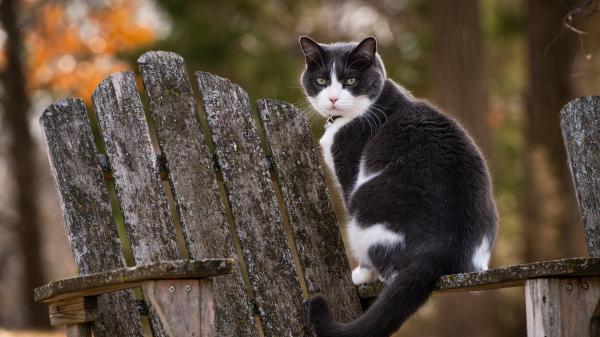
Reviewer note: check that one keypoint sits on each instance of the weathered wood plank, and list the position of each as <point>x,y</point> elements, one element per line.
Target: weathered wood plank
<point>73,310</point>
<point>540,313</point>
<point>260,230</point>
<point>561,307</point>
<point>79,330</point>
<point>86,209</point>
<point>107,171</point>
<point>95,284</point>
<point>580,125</point>
<point>185,307</point>
<point>505,277</point>
<point>312,220</point>
<point>193,183</point>
<point>135,171</point>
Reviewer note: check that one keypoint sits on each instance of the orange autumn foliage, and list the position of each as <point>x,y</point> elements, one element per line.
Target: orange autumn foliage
<point>72,54</point>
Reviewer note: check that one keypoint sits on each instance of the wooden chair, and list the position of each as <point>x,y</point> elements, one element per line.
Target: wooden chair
<point>246,187</point>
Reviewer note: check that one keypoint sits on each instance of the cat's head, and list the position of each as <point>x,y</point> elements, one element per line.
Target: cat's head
<point>342,79</point>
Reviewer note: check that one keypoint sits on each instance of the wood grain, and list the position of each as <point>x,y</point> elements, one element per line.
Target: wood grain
<point>561,307</point>
<point>95,284</point>
<point>316,234</point>
<point>73,310</point>
<point>505,277</point>
<point>86,209</point>
<point>193,183</point>
<point>268,259</point>
<point>79,330</point>
<point>580,125</point>
<point>185,307</point>
<point>135,170</point>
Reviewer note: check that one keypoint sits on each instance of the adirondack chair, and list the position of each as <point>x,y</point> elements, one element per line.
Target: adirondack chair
<point>246,187</point>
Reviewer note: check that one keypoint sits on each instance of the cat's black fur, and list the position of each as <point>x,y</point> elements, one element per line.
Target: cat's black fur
<point>435,189</point>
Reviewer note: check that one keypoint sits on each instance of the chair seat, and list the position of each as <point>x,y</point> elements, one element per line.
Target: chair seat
<point>504,277</point>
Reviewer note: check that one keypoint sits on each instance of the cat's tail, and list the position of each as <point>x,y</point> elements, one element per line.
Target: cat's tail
<point>398,301</point>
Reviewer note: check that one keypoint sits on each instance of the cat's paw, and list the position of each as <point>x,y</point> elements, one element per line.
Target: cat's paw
<point>363,275</point>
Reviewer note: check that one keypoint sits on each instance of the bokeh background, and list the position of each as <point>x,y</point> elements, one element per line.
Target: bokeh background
<point>504,68</point>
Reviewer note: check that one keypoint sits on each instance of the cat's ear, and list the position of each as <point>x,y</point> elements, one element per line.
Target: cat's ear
<point>365,51</point>
<point>312,50</point>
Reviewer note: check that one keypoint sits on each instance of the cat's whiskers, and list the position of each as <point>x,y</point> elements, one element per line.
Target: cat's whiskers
<point>306,107</point>
<point>368,119</point>
<point>377,109</point>
<point>374,115</point>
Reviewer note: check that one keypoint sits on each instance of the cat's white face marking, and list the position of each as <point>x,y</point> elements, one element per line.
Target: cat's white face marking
<point>335,100</point>
<point>481,257</point>
<point>361,239</point>
<point>363,176</point>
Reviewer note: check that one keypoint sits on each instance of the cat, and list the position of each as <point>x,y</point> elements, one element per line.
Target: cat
<point>416,187</point>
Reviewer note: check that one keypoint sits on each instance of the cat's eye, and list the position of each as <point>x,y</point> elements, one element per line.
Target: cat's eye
<point>350,81</point>
<point>321,81</point>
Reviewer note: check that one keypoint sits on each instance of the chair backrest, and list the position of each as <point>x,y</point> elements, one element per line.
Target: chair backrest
<point>262,200</point>
<point>580,125</point>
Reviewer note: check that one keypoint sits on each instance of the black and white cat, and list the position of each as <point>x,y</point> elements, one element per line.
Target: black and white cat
<point>416,187</point>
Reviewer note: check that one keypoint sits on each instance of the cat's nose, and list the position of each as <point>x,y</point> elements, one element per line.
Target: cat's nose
<point>333,99</point>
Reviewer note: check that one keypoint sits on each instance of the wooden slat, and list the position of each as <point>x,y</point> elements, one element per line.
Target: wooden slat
<point>312,220</point>
<point>95,284</point>
<point>86,209</point>
<point>505,277</point>
<point>193,182</point>
<point>562,307</point>
<point>73,310</point>
<point>580,124</point>
<point>135,171</point>
<point>260,230</point>
<point>79,330</point>
<point>186,307</point>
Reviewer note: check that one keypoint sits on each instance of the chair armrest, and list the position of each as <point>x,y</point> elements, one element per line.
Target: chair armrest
<point>131,277</point>
<point>504,277</point>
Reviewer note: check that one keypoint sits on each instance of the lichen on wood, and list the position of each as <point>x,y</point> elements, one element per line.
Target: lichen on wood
<point>316,234</point>
<point>87,212</point>
<point>504,277</point>
<point>580,125</point>
<point>135,171</point>
<point>192,180</point>
<point>254,208</point>
<point>98,283</point>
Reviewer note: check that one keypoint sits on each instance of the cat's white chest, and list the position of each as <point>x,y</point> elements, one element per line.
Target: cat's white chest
<point>327,140</point>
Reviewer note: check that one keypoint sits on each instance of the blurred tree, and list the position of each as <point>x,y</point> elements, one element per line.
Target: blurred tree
<point>65,48</point>
<point>15,117</point>
<point>245,40</point>
<point>73,46</point>
<point>458,86</point>
<point>457,65</point>
<point>551,221</point>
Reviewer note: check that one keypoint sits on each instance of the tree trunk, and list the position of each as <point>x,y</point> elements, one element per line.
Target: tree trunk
<point>15,118</point>
<point>550,215</point>
<point>457,65</point>
<point>458,88</point>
